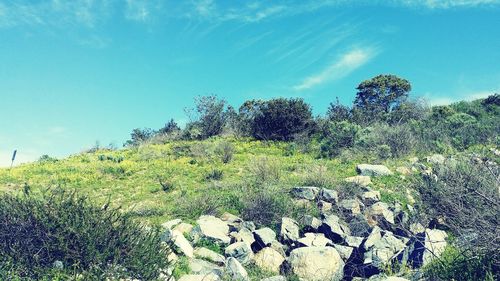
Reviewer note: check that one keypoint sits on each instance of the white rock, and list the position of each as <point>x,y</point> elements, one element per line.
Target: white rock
<point>240,251</point>
<point>316,263</point>
<point>269,259</point>
<point>305,192</point>
<point>204,253</point>
<point>360,180</point>
<point>211,228</point>
<point>314,239</point>
<point>264,236</point>
<point>171,223</point>
<point>289,230</point>
<point>329,195</point>
<point>200,277</point>
<point>202,267</point>
<point>235,270</point>
<point>373,170</point>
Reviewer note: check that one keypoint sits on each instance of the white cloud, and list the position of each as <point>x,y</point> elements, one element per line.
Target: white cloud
<point>445,4</point>
<point>340,68</point>
<point>438,99</point>
<point>137,10</point>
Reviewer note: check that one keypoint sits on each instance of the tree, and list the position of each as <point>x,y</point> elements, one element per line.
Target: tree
<point>277,119</point>
<point>170,127</point>
<point>209,114</point>
<point>338,112</point>
<point>139,136</point>
<point>380,95</point>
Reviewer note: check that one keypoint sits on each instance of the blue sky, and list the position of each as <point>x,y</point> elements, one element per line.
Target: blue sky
<point>76,72</point>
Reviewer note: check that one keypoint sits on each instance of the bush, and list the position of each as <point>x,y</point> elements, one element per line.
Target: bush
<point>465,195</point>
<point>276,119</point>
<point>64,228</point>
<point>337,136</point>
<point>265,169</point>
<point>214,174</point>
<point>139,136</point>
<point>225,150</point>
<point>209,114</point>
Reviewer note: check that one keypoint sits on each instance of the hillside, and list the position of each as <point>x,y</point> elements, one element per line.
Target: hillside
<point>374,198</point>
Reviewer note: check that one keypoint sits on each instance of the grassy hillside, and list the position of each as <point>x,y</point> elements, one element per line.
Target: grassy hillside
<point>133,177</point>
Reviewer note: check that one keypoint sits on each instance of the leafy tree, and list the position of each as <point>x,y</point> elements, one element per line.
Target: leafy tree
<point>277,119</point>
<point>209,113</point>
<point>139,136</point>
<point>380,95</point>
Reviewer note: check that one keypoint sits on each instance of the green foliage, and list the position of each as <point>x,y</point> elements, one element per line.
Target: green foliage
<point>338,112</point>
<point>380,95</point>
<point>209,115</point>
<point>214,174</point>
<point>225,150</point>
<point>181,267</point>
<point>276,119</point>
<point>46,159</point>
<point>139,136</point>
<point>62,227</point>
<point>337,136</point>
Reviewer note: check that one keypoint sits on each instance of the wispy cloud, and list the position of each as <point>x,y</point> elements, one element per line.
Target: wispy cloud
<point>438,99</point>
<point>446,4</point>
<point>340,68</point>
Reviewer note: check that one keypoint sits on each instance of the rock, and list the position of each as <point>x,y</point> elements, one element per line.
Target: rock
<point>204,253</point>
<point>370,197</point>
<point>211,228</point>
<point>316,264</point>
<point>184,227</point>
<point>289,230</point>
<point>382,277</point>
<point>375,235</point>
<point>244,235</point>
<point>354,241</point>
<point>182,245</point>
<point>269,259</point>
<point>57,264</point>
<point>379,213</point>
<point>233,221</point>
<point>383,250</point>
<point>278,247</point>
<point>325,207</point>
<point>305,192</point>
<point>334,229</point>
<point>373,170</point>
<point>275,278</point>
<point>360,180</point>
<point>240,251</point>
<point>235,270</point>
<point>329,195</point>
<point>264,236</point>
<point>314,239</point>
<point>311,223</point>
<point>350,206</point>
<point>171,224</point>
<point>416,228</point>
<point>403,170</point>
<point>202,267</point>
<point>436,159</point>
<point>344,251</point>
<point>200,277</point>
<point>427,246</point>
<point>248,225</point>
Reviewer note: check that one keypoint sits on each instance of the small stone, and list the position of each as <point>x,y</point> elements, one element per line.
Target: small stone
<point>211,228</point>
<point>171,223</point>
<point>351,206</point>
<point>289,230</point>
<point>329,195</point>
<point>184,227</point>
<point>264,236</point>
<point>314,239</point>
<point>360,180</point>
<point>204,253</point>
<point>199,277</point>
<point>334,229</point>
<point>203,267</point>
<point>305,192</point>
<point>240,251</point>
<point>275,278</point>
<point>344,251</point>
<point>311,223</point>
<point>316,263</point>
<point>373,170</point>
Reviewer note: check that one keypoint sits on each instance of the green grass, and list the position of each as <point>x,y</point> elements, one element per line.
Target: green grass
<point>194,171</point>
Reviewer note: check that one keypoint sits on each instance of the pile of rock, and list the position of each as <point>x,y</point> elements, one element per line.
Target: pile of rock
<point>353,238</point>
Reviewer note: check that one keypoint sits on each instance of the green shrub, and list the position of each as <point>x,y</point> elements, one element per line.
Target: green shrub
<point>265,169</point>
<point>337,136</point>
<point>225,150</point>
<point>214,174</point>
<point>62,227</point>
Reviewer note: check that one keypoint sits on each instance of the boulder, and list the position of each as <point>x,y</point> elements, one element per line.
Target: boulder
<point>360,180</point>
<point>403,170</point>
<point>370,197</point>
<point>240,251</point>
<point>235,270</point>
<point>373,170</point>
<point>325,207</point>
<point>264,236</point>
<point>184,227</point>
<point>427,246</point>
<point>244,235</point>
<point>182,245</point>
<point>269,260</point>
<point>379,213</point>
<point>316,264</point>
<point>350,206</point>
<point>289,230</point>
<point>232,221</point>
<point>383,250</point>
<point>171,223</point>
<point>305,192</point>
<point>314,239</point>
<point>354,241</point>
<point>202,267</point>
<point>206,254</point>
<point>211,228</point>
<point>334,229</point>
<point>311,223</point>
<point>329,195</point>
<point>248,225</point>
<point>344,251</point>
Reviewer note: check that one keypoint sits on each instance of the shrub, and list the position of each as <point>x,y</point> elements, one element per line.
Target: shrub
<point>337,136</point>
<point>63,227</point>
<point>276,119</point>
<point>265,169</point>
<point>47,159</point>
<point>317,175</point>
<point>214,174</point>
<point>139,136</point>
<point>209,114</point>
<point>225,150</point>
<point>338,112</point>
<point>466,195</point>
